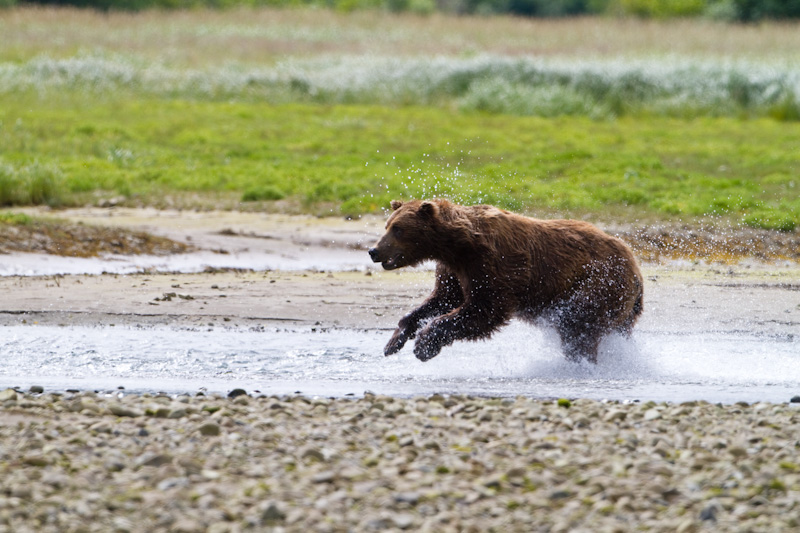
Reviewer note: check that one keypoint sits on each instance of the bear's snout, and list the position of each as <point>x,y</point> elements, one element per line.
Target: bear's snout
<point>373,254</point>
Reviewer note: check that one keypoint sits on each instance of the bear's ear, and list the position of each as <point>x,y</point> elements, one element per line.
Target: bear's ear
<point>396,204</point>
<point>428,210</point>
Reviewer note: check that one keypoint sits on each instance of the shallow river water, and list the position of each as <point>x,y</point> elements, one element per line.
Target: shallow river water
<point>656,364</point>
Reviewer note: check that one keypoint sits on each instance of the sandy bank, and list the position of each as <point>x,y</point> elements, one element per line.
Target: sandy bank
<point>734,298</point>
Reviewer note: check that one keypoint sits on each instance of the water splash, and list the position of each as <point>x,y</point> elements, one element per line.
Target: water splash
<point>655,365</point>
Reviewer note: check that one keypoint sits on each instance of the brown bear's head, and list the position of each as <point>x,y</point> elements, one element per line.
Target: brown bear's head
<point>408,234</point>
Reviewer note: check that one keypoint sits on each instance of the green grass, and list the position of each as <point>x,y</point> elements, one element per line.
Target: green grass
<point>321,112</point>
<point>15,219</point>
<point>30,183</point>
<point>350,159</point>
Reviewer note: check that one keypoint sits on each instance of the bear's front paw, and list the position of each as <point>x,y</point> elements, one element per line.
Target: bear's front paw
<point>397,341</point>
<point>427,347</point>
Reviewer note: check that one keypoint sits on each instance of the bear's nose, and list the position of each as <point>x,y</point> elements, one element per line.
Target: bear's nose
<point>373,253</point>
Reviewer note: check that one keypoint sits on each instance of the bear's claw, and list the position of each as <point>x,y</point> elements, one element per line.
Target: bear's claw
<point>396,343</point>
<point>426,349</point>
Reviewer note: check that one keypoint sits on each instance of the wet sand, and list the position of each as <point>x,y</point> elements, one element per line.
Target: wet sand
<point>766,300</point>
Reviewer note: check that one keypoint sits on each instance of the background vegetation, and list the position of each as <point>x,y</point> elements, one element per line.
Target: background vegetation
<point>729,10</point>
<point>314,111</point>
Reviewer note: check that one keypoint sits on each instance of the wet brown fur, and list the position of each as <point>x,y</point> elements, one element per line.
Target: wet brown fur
<point>493,265</point>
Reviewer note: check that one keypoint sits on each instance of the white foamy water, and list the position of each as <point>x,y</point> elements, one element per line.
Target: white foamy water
<point>657,364</point>
<point>33,264</point>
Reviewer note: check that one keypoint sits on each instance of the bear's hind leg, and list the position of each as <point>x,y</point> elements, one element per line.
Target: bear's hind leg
<point>578,346</point>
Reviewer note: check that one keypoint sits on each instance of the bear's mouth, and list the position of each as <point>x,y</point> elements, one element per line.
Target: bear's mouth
<point>392,263</point>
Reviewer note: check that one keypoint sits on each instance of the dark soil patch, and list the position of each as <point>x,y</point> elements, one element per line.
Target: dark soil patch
<point>711,244</point>
<point>79,240</point>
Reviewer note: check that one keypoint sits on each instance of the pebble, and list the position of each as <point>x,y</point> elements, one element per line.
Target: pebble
<point>8,394</point>
<point>122,410</point>
<point>382,463</point>
<point>210,429</point>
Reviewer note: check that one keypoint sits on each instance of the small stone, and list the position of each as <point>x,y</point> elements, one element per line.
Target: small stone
<point>8,394</point>
<point>314,454</point>
<point>122,524</point>
<point>323,477</point>
<point>209,430</point>
<point>153,459</point>
<point>179,412</point>
<point>122,410</point>
<point>272,514</point>
<point>86,404</point>
<point>403,520</point>
<point>709,513</point>
<point>652,414</point>
<point>237,392</point>
<point>615,415</point>
<point>36,460</point>
<point>172,482</point>
<point>113,464</point>
<point>100,427</point>
<point>187,525</point>
<point>36,389</point>
<point>795,399</point>
<point>411,498</point>
<point>210,475</point>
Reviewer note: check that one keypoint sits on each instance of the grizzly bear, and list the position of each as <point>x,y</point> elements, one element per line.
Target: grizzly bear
<point>492,265</point>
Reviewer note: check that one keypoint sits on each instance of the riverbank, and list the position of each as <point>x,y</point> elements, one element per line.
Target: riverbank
<point>87,462</point>
<point>687,296</point>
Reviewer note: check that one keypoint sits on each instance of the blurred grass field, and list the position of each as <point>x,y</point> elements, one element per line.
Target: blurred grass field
<point>326,113</point>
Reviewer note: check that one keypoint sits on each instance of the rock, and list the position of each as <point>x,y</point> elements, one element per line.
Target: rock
<point>324,477</point>
<point>8,394</point>
<point>122,525</point>
<point>209,430</point>
<point>709,512</point>
<point>123,410</point>
<point>795,399</point>
<point>173,482</point>
<point>187,525</point>
<point>114,464</point>
<point>403,520</point>
<point>153,459</point>
<point>178,412</point>
<point>652,414</point>
<point>411,498</point>
<point>312,453</point>
<point>36,460</point>
<point>36,389</point>
<point>272,514</point>
<point>237,392</point>
<point>615,415</point>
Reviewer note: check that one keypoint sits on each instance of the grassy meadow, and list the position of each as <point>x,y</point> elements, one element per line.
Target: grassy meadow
<point>326,113</point>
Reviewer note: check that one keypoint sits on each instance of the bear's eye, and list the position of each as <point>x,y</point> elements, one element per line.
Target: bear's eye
<point>398,232</point>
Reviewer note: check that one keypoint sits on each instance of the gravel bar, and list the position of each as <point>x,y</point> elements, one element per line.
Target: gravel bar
<point>84,462</point>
